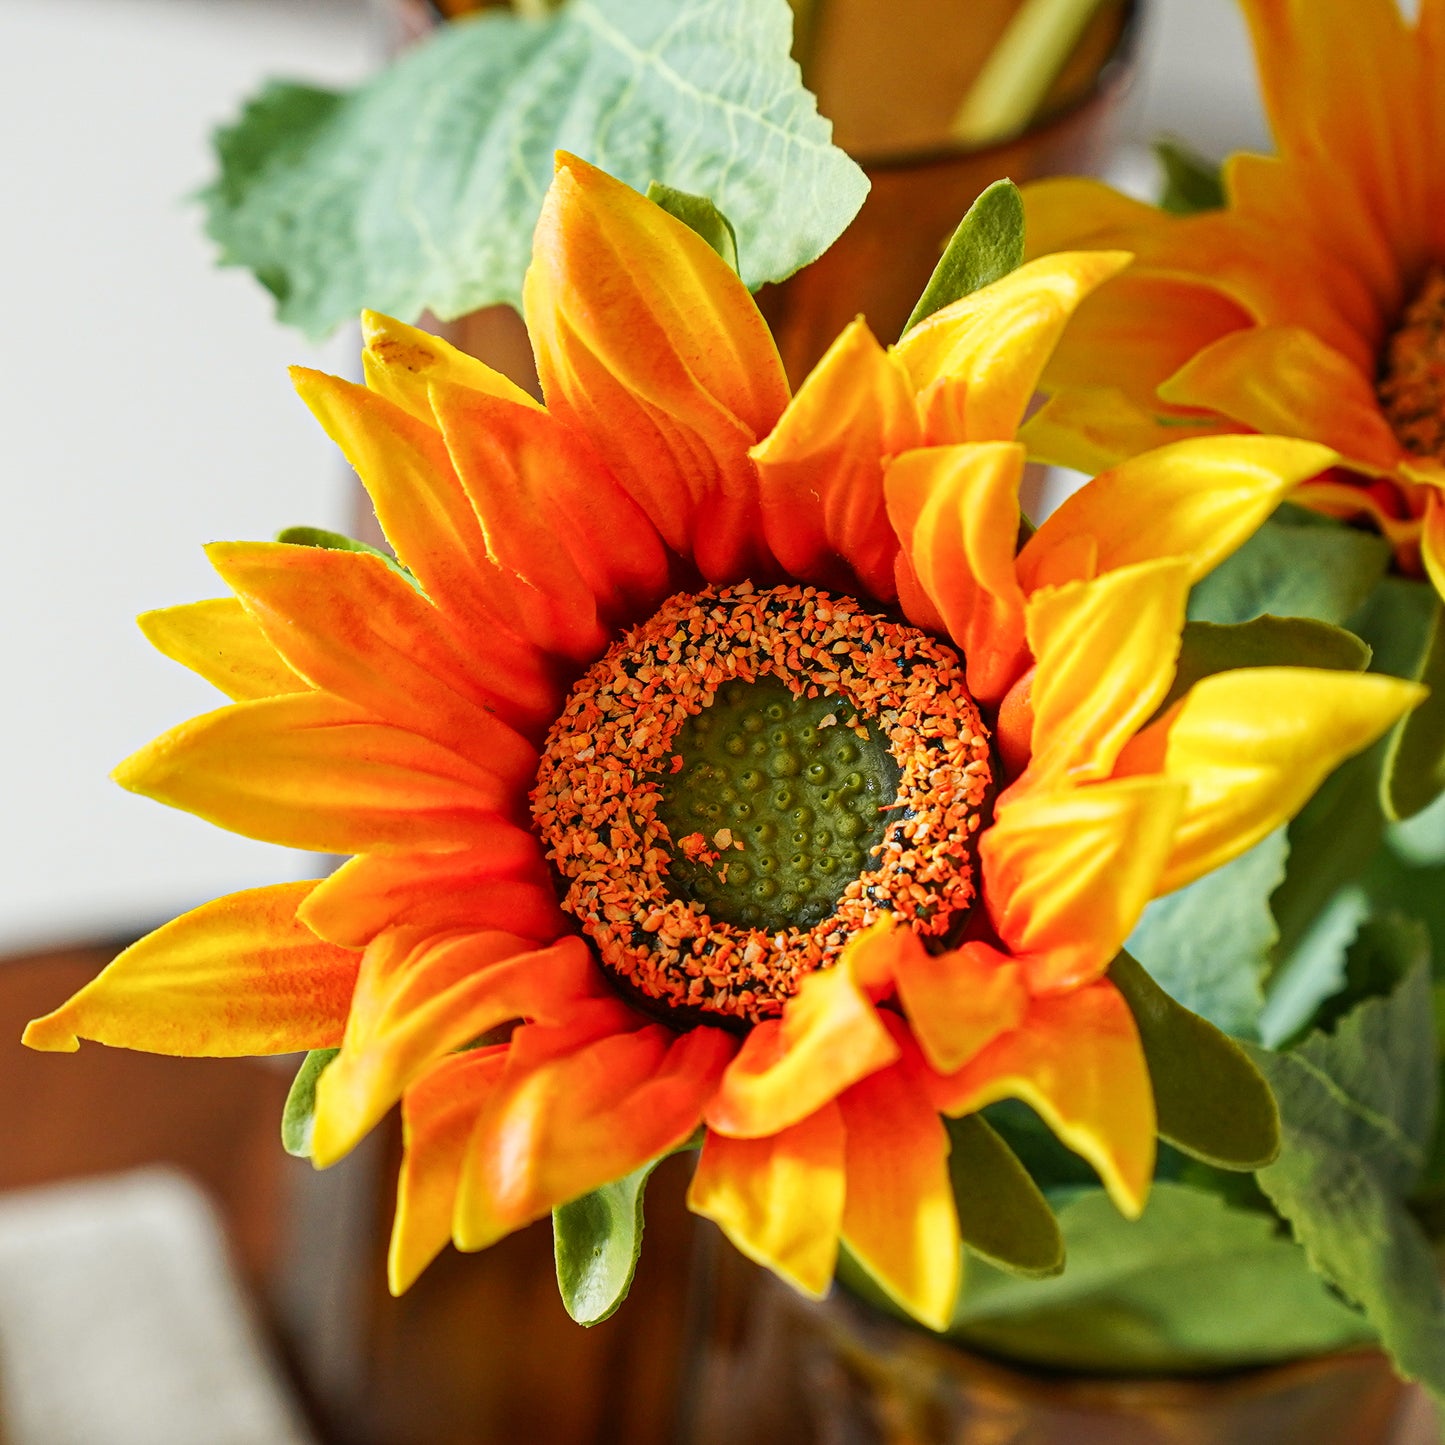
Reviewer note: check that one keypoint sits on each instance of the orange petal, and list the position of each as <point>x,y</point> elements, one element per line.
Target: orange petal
<point>348,624</point>
<point>552,515</point>
<point>1199,498</point>
<point>500,883</point>
<point>821,469</point>
<point>419,997</point>
<point>829,1037</point>
<point>1251,746</point>
<point>219,640</point>
<point>1106,653</point>
<point>1283,380</point>
<point>1067,874</point>
<point>899,1217</point>
<point>780,1199</point>
<point>236,976</point>
<point>568,1119</point>
<point>438,1114</point>
<point>977,362</point>
<point>956,512</point>
<point>958,1001</point>
<point>649,344</point>
<point>1078,1062</point>
<point>311,771</point>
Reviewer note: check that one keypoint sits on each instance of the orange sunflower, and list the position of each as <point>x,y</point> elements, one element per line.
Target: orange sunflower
<point>1312,305</point>
<point>723,750</point>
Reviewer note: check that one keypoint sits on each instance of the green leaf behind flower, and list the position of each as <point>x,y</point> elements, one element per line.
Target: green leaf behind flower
<point>1414,773</point>
<point>700,215</point>
<point>988,244</point>
<point>419,190</point>
<point>1191,183</point>
<point>340,542</point>
<point>298,1117</point>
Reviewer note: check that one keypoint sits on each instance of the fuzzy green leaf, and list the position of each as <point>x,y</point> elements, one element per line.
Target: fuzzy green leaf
<point>1358,1109</point>
<point>988,244</point>
<point>1002,1214</point>
<point>698,214</point>
<point>420,189</point>
<point>298,1117</point>
<point>1191,183</point>
<point>596,1241</point>
<point>1213,1104</point>
<point>1209,944</point>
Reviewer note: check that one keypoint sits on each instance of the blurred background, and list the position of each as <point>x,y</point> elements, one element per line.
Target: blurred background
<point>166,1273</point>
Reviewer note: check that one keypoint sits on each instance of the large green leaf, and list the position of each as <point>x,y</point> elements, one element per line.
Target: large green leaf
<point>1212,1103</point>
<point>1195,1284</point>
<point>298,1117</point>
<point>1209,944</point>
<point>988,244</point>
<point>419,190</point>
<point>1358,1111</point>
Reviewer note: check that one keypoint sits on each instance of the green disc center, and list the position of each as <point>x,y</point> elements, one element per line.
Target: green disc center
<point>791,780</point>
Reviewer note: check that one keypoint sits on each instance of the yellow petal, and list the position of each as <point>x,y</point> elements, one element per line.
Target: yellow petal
<point>1071,211</point>
<point>1091,429</point>
<point>1432,541</point>
<point>219,640</point>
<point>236,976</point>
<point>779,1199</point>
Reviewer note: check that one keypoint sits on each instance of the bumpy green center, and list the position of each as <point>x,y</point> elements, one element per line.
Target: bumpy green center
<point>788,778</point>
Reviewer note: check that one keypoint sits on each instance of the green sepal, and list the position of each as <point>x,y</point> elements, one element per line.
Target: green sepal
<point>1414,771</point>
<point>1206,648</point>
<point>298,1118</point>
<point>1212,1102</point>
<point>1191,183</point>
<point>340,542</point>
<point>1002,1213</point>
<point>988,244</point>
<point>699,214</point>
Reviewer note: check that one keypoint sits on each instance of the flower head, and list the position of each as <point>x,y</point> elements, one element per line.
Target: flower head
<point>1312,305</point>
<point>725,752</point>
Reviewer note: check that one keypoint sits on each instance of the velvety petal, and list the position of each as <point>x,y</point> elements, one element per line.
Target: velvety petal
<point>438,1114</point>
<point>779,1200</point>
<point>1091,429</point>
<point>1200,499</point>
<point>421,996</point>
<point>828,1038</point>
<point>553,516</point>
<point>977,362</point>
<point>1077,1060</point>
<point>1066,874</point>
<point>401,363</point>
<point>235,976</point>
<point>821,469</point>
<point>956,511</point>
<point>348,624</point>
<point>1251,746</point>
<point>570,1117</point>
<point>219,640</point>
<point>1106,652</point>
<point>502,882</point>
<point>1282,380</point>
<point>311,771</point>
<point>649,344</point>
<point>960,1000</point>
<point>899,1218</point>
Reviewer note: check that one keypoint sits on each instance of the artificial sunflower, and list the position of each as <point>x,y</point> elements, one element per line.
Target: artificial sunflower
<point>1312,305</point>
<point>726,749</point>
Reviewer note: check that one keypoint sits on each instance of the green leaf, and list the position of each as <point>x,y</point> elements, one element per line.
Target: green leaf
<point>988,244</point>
<point>298,1117</point>
<point>1315,967</point>
<point>1191,183</point>
<point>1194,1284</point>
<point>340,542</point>
<point>1209,945</point>
<point>420,189</point>
<point>1358,1110</point>
<point>1296,565</point>
<point>700,215</point>
<point>596,1241</point>
<point>1209,647</point>
<point>1384,949</point>
<point>1212,1102</point>
<point>1002,1214</point>
<point>1414,774</point>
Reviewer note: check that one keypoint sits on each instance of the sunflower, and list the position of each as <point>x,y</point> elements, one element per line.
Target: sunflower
<point>1312,305</point>
<point>724,752</point>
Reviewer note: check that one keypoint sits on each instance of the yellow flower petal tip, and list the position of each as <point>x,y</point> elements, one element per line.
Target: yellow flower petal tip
<point>51,1034</point>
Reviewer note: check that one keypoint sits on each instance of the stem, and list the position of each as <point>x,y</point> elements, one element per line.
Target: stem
<point>1027,60</point>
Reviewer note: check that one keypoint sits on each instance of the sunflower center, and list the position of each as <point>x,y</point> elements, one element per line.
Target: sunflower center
<point>1411,387</point>
<point>748,779</point>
